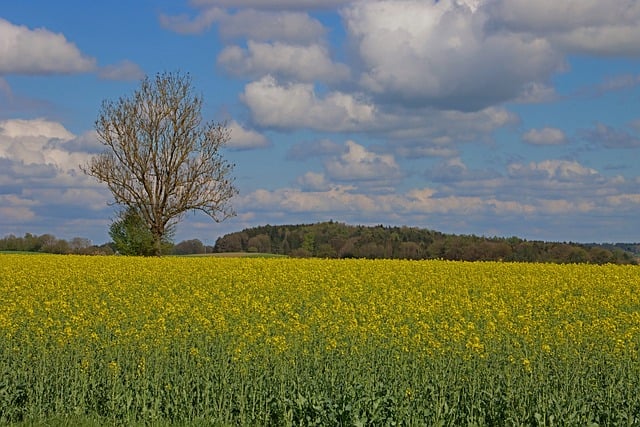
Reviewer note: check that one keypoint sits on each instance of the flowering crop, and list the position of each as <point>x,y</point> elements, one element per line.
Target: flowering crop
<point>318,342</point>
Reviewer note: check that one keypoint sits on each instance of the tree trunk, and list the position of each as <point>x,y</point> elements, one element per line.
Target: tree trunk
<point>157,242</point>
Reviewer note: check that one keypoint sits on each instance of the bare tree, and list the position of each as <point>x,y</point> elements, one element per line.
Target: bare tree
<point>160,158</point>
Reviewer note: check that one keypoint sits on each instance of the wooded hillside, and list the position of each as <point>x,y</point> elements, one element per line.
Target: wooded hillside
<point>338,240</point>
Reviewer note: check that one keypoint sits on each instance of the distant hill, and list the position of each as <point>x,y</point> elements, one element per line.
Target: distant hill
<point>338,240</point>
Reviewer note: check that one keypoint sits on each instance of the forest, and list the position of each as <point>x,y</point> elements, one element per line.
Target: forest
<point>338,240</point>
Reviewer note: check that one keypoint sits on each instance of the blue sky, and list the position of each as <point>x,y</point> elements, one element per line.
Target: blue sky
<point>487,117</point>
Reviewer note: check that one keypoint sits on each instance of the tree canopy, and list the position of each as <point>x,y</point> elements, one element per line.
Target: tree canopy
<point>160,159</point>
<point>337,240</point>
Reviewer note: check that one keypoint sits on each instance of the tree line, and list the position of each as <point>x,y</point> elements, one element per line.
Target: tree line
<point>48,243</point>
<point>338,240</point>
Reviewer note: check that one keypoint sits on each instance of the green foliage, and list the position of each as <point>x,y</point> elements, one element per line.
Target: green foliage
<point>337,240</point>
<point>47,243</point>
<point>131,235</point>
<point>189,247</point>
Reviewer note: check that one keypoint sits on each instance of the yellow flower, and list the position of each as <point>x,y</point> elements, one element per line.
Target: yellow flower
<point>114,368</point>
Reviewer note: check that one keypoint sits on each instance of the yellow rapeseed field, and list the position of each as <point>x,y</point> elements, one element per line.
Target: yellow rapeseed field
<point>238,341</point>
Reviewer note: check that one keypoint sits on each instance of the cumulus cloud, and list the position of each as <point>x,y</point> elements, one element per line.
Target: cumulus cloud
<point>33,142</point>
<point>562,170</point>
<point>40,150</point>
<point>359,164</point>
<point>428,132</point>
<point>296,105</point>
<point>575,26</point>
<point>455,170</point>
<point>183,24</point>
<point>273,4</point>
<point>335,200</point>
<point>125,70</point>
<point>292,27</point>
<point>313,181</point>
<point>301,63</point>
<point>545,136</point>
<point>536,190</point>
<point>448,56</point>
<point>33,128</point>
<point>284,26</point>
<point>245,139</point>
<point>39,51</point>
<point>40,176</point>
<point>415,203</point>
<point>549,190</point>
<point>624,200</point>
<point>14,208</point>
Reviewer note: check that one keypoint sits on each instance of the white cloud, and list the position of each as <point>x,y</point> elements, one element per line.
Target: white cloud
<point>302,63</point>
<point>448,57</point>
<point>313,181</point>
<point>292,27</point>
<point>296,105</point>
<point>606,40</point>
<point>245,139</point>
<point>557,207</point>
<point>17,128</point>
<point>40,153</point>
<point>338,200</point>
<point>39,51</point>
<point>125,70</point>
<point>359,164</point>
<point>43,188</point>
<point>38,142</point>
<point>454,171</point>
<point>273,4</point>
<point>583,26</point>
<point>624,199</point>
<point>183,24</point>
<point>70,195</point>
<point>552,170</point>
<point>523,201</point>
<point>16,208</point>
<point>428,132</point>
<point>545,136</point>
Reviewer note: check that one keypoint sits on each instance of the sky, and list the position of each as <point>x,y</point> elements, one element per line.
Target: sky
<point>487,117</point>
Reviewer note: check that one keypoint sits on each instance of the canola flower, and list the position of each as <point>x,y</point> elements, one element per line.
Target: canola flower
<point>292,341</point>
